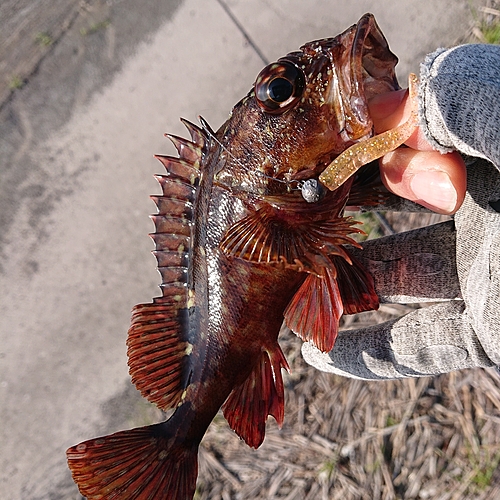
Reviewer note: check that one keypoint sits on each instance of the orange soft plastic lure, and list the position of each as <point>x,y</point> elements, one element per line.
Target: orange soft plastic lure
<point>365,151</point>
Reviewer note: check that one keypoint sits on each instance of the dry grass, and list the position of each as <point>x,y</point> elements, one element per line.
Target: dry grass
<point>435,438</point>
<point>430,438</point>
<point>486,25</point>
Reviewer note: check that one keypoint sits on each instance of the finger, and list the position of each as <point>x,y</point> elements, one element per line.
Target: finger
<point>414,266</point>
<point>437,339</point>
<point>434,180</point>
<point>392,109</point>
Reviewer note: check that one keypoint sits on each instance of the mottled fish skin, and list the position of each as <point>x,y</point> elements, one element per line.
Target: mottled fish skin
<point>239,248</point>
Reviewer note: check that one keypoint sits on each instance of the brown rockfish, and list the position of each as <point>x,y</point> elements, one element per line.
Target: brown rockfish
<point>245,237</point>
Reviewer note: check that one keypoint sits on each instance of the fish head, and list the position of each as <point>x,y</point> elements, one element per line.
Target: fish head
<point>306,108</point>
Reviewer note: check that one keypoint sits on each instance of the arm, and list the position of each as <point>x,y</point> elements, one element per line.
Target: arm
<point>459,100</point>
<point>458,108</point>
<point>457,262</point>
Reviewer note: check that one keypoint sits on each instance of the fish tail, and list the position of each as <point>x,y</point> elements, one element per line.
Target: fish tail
<point>139,464</point>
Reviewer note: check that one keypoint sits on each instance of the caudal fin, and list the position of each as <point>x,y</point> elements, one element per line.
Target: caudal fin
<point>139,464</point>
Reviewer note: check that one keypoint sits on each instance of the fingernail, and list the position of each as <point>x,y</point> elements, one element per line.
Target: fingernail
<point>435,190</point>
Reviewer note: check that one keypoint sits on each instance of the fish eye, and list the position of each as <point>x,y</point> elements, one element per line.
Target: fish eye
<point>280,90</point>
<point>279,86</point>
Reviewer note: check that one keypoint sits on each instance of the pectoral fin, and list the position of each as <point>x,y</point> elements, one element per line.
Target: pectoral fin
<point>264,237</point>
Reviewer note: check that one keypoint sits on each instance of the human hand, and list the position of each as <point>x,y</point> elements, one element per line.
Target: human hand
<point>455,263</point>
<point>417,173</point>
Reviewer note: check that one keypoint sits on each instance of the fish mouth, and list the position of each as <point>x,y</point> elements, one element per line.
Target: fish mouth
<point>364,66</point>
<point>372,61</point>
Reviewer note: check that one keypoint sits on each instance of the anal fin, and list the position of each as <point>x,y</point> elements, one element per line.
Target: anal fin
<point>248,406</point>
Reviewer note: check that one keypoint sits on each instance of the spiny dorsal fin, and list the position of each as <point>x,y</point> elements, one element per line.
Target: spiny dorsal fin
<point>187,150</point>
<point>180,169</point>
<point>197,134</point>
<point>158,341</point>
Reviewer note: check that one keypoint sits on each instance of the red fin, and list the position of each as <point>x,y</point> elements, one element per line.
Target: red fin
<point>174,208</point>
<point>175,188</point>
<point>265,237</point>
<point>157,356</point>
<point>367,188</point>
<point>138,464</point>
<point>158,347</point>
<point>180,168</point>
<point>249,404</point>
<point>197,134</point>
<point>356,286</point>
<point>187,150</point>
<point>315,310</point>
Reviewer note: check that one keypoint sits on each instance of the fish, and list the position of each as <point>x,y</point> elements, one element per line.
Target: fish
<point>246,237</point>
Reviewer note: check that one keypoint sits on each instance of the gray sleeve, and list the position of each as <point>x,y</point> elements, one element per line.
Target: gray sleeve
<point>459,100</point>
<point>456,263</point>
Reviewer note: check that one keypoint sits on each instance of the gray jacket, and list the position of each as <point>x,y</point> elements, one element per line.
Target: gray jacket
<point>456,263</point>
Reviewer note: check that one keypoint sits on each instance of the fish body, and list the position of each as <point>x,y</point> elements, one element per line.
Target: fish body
<point>240,247</point>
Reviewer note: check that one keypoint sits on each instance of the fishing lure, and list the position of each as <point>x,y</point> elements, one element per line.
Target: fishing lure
<point>363,152</point>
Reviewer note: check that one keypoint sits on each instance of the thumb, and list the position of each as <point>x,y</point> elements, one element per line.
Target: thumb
<point>417,173</point>
<point>433,180</point>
